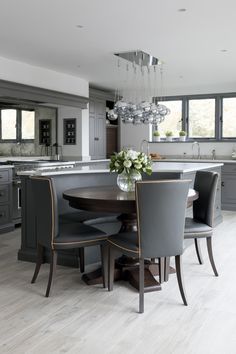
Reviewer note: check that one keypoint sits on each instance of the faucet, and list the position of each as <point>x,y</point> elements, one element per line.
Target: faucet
<point>144,141</point>
<point>213,154</point>
<point>195,143</point>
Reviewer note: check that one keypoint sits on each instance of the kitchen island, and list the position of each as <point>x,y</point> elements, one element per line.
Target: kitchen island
<point>96,174</point>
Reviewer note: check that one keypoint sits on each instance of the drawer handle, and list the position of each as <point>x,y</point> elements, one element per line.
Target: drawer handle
<point>1,194</point>
<point>1,176</point>
<point>1,215</point>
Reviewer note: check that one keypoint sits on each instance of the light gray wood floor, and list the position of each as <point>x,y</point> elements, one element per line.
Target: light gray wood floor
<point>82,319</point>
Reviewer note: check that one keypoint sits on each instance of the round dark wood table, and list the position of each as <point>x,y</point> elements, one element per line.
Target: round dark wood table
<point>111,199</point>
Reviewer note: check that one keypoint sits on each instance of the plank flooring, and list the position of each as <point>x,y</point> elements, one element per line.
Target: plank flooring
<point>82,319</point>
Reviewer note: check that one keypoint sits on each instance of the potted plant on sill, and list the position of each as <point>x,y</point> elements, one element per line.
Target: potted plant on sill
<point>169,135</point>
<point>156,136</point>
<point>182,135</point>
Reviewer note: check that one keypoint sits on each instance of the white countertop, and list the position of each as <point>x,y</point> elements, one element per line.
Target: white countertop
<point>196,160</point>
<point>177,167</point>
<point>6,166</point>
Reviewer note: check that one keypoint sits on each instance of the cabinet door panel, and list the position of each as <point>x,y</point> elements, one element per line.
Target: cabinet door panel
<point>92,151</point>
<point>100,144</point>
<point>100,108</point>
<point>228,188</point>
<point>91,106</point>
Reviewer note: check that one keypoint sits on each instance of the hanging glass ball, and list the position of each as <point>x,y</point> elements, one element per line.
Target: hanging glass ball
<point>111,115</point>
<point>138,114</point>
<point>132,107</point>
<point>137,120</point>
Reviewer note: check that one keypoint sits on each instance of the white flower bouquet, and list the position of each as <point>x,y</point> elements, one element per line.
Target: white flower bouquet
<point>130,161</point>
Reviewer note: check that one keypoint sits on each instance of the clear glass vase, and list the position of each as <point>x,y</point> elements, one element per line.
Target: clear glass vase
<point>126,181</point>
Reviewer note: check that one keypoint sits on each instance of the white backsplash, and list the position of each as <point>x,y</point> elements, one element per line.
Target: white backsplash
<point>175,149</point>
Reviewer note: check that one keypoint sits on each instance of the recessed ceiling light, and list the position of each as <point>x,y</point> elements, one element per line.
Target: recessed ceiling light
<point>224,50</point>
<point>182,10</point>
<point>79,26</point>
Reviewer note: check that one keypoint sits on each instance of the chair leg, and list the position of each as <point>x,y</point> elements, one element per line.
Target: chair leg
<point>104,259</point>
<point>198,250</point>
<point>39,262</point>
<point>141,285</point>
<point>81,259</point>
<point>210,253</point>
<point>161,267</point>
<point>178,265</point>
<point>167,268</point>
<point>111,267</point>
<point>53,263</point>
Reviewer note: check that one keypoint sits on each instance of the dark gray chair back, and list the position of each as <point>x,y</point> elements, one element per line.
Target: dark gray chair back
<point>161,208</point>
<point>206,185</point>
<point>46,213</point>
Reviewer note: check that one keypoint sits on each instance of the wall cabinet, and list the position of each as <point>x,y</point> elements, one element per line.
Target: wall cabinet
<point>229,186</point>
<point>103,135</point>
<point>45,132</point>
<point>97,128</point>
<point>69,131</point>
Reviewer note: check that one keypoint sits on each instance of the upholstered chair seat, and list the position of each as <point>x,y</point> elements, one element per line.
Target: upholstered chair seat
<point>86,216</point>
<point>195,228</point>
<point>75,235</point>
<point>126,241</point>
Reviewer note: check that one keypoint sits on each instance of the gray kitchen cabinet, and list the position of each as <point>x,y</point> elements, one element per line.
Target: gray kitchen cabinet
<point>97,128</point>
<point>6,223</point>
<point>229,187</point>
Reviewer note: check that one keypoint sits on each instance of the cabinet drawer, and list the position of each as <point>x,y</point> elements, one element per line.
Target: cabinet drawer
<point>4,214</point>
<point>229,168</point>
<point>4,176</point>
<point>4,194</point>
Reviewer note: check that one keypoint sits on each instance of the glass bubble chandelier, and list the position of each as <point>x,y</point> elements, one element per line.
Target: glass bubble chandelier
<point>136,100</point>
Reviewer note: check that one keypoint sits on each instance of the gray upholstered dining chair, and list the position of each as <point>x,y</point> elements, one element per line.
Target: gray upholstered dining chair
<point>92,218</point>
<point>201,225</point>
<point>161,209</point>
<point>52,235</point>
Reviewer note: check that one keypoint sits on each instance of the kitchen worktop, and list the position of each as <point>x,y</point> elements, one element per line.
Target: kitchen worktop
<point>201,160</point>
<point>26,159</point>
<point>6,166</point>
<point>162,167</point>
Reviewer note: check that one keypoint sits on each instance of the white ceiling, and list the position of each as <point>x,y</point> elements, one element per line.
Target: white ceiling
<point>44,33</point>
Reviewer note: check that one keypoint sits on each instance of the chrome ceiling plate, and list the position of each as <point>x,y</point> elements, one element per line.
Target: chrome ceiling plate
<point>139,57</point>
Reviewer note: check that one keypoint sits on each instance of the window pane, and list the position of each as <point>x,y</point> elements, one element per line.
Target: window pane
<point>8,124</point>
<point>229,117</point>
<point>173,121</point>
<point>202,118</point>
<point>27,124</point>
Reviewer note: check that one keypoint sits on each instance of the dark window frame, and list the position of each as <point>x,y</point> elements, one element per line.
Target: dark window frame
<point>18,126</point>
<point>218,115</point>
